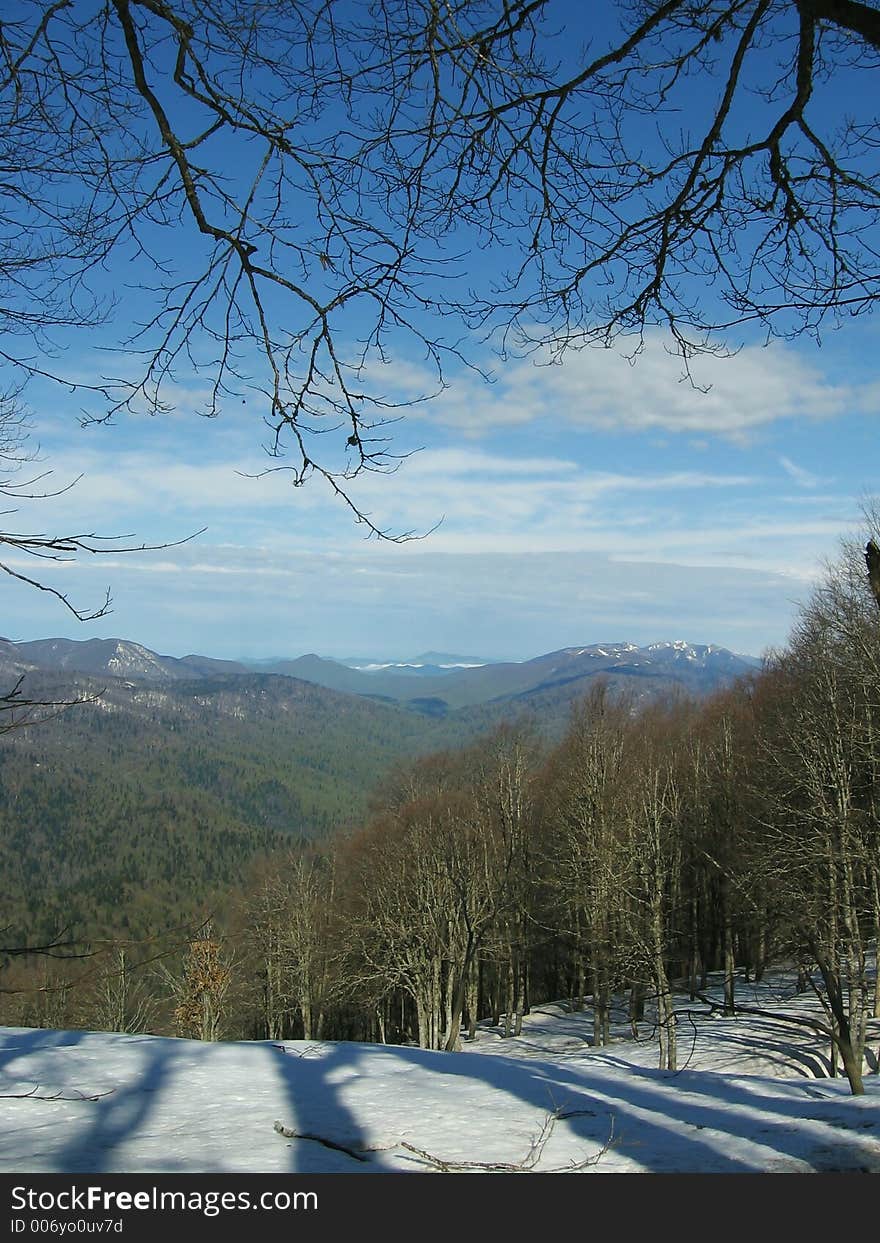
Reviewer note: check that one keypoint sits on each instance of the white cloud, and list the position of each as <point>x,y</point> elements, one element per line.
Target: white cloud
<point>604,389</point>
<point>489,499</point>
<point>804,478</point>
<point>452,462</point>
<point>493,503</point>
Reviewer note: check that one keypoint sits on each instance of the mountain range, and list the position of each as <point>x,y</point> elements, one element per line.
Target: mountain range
<point>434,684</point>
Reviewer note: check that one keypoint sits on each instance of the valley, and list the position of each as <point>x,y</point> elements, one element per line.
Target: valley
<point>138,808</point>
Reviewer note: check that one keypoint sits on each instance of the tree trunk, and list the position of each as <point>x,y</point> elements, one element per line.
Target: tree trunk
<point>520,1001</point>
<point>694,967</point>
<point>729,957</point>
<point>511,986</point>
<point>850,1052</point>
<point>458,995</point>
<point>636,1006</point>
<point>473,1000</point>
<point>580,983</point>
<point>600,999</point>
<point>761,948</point>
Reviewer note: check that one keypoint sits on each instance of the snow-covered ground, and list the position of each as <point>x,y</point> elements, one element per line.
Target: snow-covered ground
<point>751,1095</point>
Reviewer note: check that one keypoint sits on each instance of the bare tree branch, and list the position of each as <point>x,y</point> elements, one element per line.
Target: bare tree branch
<point>297,192</point>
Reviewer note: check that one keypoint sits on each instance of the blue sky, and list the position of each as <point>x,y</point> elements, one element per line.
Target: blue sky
<point>588,501</point>
<point>596,499</point>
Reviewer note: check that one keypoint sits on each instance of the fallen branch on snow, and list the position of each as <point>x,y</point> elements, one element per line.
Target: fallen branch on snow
<point>357,1154</point>
<point>532,1157</point>
<point>35,1095</point>
<point>525,1166</point>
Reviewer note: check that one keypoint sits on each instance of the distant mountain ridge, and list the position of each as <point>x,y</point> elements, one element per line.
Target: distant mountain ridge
<point>116,658</point>
<point>434,684</point>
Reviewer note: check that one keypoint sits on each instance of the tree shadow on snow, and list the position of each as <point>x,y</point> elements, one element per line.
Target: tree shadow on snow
<point>658,1116</point>
<point>663,1121</point>
<point>313,1078</point>
<point>120,1115</point>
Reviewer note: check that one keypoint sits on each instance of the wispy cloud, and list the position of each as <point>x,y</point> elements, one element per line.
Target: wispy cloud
<point>608,390</point>
<point>483,496</point>
<point>803,478</point>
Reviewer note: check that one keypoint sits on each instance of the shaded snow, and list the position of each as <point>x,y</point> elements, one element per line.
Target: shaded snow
<point>751,1096</point>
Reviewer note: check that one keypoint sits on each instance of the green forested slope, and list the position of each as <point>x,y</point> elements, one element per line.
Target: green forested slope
<point>131,812</point>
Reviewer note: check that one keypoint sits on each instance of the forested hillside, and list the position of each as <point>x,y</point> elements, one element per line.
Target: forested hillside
<point>129,812</point>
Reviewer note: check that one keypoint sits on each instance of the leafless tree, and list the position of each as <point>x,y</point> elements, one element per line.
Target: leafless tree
<point>584,816</point>
<point>420,902</point>
<point>502,790</point>
<point>723,876</point>
<point>821,770</point>
<point>653,846</point>
<point>121,1000</point>
<point>751,198</point>
<point>290,934</point>
<point>437,886</point>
